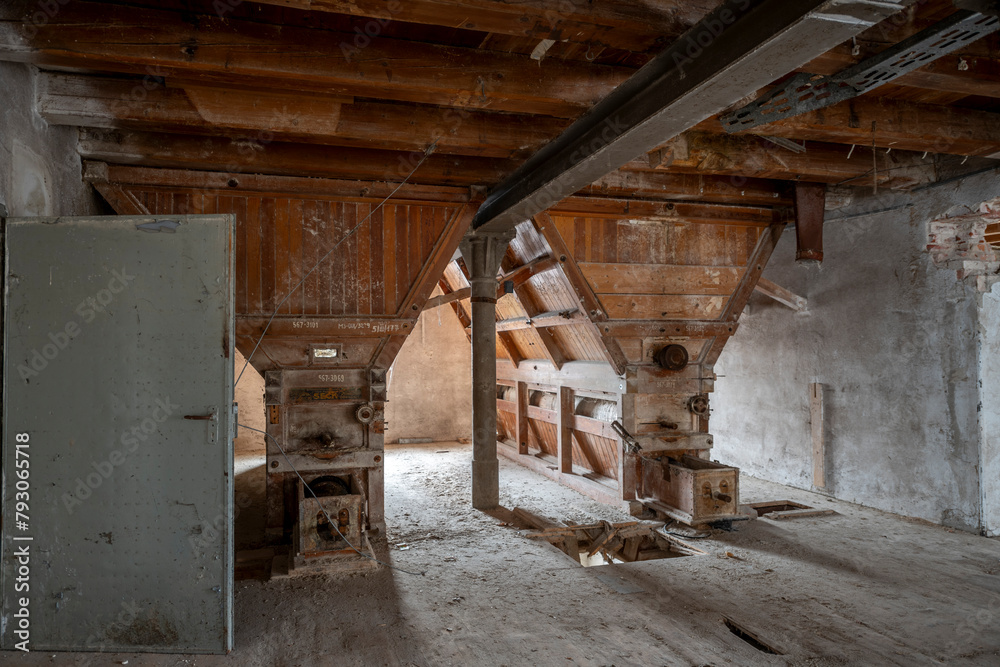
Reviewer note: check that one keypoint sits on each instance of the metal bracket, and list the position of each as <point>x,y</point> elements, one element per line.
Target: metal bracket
<point>808,92</point>
<point>631,444</point>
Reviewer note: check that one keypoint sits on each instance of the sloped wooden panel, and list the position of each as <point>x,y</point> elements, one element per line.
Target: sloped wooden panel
<point>596,453</point>
<point>279,239</point>
<point>363,296</point>
<point>542,435</point>
<point>659,270</point>
<point>610,278</point>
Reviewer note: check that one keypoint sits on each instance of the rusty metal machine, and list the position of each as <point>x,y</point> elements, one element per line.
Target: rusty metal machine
<point>330,424</point>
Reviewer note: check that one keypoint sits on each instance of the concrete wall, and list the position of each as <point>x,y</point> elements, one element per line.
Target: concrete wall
<point>430,386</point>
<point>40,170</point>
<point>894,341</point>
<point>989,414</point>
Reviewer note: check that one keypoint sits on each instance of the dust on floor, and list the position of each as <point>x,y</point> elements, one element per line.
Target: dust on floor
<point>861,587</point>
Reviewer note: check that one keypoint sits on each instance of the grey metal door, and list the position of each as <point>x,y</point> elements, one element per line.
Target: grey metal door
<point>117,394</point>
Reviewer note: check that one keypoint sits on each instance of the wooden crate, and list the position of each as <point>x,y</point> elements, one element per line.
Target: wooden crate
<point>690,489</point>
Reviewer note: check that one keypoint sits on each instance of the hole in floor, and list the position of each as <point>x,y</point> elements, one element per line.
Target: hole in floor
<point>646,552</point>
<point>778,506</point>
<point>604,543</point>
<point>749,637</point>
<point>786,509</point>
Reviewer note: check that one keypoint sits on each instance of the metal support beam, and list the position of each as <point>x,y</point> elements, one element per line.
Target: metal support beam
<point>810,209</point>
<point>806,92</point>
<point>740,47</point>
<point>482,254</point>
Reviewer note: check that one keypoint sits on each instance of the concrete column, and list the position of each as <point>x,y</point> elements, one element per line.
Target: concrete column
<point>482,254</point>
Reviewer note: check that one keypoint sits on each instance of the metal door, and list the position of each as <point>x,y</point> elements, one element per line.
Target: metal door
<point>117,395</point>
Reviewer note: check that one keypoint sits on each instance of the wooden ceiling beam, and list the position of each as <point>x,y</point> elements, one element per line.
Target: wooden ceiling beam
<point>105,102</point>
<point>111,102</point>
<point>691,187</point>
<point>542,321</point>
<point>214,182</point>
<point>518,276</point>
<point>168,45</point>
<point>753,156</point>
<point>616,23</point>
<point>245,156</point>
<point>891,123</point>
<point>634,207</point>
<point>249,156</point>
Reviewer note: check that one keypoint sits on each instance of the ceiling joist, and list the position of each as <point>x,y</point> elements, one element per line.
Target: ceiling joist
<point>163,44</point>
<point>745,48</point>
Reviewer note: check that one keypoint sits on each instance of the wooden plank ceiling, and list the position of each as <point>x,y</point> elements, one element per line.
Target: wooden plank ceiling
<point>300,116</point>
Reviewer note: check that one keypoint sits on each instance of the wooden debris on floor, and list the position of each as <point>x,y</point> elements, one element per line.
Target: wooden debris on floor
<point>621,542</point>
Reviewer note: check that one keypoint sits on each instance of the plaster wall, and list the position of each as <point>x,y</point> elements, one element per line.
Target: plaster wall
<point>989,414</point>
<point>894,341</point>
<point>430,385</point>
<point>40,170</point>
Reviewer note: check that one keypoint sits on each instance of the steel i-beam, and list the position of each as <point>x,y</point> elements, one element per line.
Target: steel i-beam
<point>740,47</point>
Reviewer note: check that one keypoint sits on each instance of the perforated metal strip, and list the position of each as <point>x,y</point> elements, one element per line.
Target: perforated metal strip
<point>808,92</point>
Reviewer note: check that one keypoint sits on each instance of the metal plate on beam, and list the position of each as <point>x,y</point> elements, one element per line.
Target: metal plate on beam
<point>310,395</point>
<point>806,92</point>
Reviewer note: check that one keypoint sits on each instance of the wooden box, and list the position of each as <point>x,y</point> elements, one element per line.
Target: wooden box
<point>691,490</point>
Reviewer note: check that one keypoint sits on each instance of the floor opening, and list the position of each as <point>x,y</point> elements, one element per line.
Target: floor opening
<point>605,543</point>
<point>786,509</point>
<point>749,637</point>
<point>650,549</point>
<point>778,506</point>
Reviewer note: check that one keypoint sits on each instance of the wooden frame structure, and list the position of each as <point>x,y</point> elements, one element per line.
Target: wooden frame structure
<point>289,115</point>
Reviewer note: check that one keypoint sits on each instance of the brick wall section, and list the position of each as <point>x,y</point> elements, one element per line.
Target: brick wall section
<point>959,243</point>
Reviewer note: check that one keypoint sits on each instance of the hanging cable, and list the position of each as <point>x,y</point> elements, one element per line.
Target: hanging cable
<point>427,153</point>
<point>332,523</point>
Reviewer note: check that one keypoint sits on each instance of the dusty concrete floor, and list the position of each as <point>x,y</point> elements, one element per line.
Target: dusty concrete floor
<point>859,588</point>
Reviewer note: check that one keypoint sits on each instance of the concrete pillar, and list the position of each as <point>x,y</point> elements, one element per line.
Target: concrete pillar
<point>482,254</point>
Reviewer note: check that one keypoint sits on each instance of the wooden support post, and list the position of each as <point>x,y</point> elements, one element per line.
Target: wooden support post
<point>550,348</point>
<point>508,345</point>
<point>482,254</point>
<point>564,426</point>
<point>522,417</point>
<point>781,295</point>
<point>818,439</point>
<point>628,464</point>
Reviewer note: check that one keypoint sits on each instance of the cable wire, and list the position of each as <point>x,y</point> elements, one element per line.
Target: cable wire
<point>323,509</point>
<point>427,153</point>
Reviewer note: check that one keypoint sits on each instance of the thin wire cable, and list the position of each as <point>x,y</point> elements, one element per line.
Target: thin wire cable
<point>323,509</point>
<point>427,153</point>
